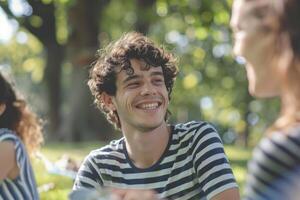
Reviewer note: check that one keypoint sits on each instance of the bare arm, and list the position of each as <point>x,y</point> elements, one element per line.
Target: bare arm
<point>8,165</point>
<point>230,194</point>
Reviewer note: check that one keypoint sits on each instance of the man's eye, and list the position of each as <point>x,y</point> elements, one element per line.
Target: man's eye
<point>158,81</point>
<point>133,84</point>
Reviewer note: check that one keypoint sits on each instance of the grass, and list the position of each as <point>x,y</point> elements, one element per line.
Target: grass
<point>238,157</point>
<point>56,187</point>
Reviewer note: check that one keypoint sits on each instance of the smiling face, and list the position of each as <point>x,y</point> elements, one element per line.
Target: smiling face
<point>141,99</point>
<point>256,42</point>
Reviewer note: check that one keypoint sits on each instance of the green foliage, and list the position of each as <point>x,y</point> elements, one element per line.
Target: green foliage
<point>211,85</point>
<point>61,21</point>
<point>24,55</point>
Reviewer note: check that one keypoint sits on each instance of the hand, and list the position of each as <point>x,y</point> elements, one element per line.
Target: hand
<point>134,194</point>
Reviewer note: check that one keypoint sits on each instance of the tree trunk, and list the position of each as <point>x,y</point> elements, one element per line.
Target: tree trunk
<point>81,122</point>
<point>46,33</point>
<point>55,57</point>
<point>145,15</point>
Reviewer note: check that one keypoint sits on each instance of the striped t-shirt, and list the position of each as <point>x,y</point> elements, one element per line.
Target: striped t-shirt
<point>193,166</point>
<point>24,186</point>
<point>274,171</point>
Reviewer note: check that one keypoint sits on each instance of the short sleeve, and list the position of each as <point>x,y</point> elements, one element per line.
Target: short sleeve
<point>210,162</point>
<point>7,135</point>
<point>274,170</point>
<point>88,175</point>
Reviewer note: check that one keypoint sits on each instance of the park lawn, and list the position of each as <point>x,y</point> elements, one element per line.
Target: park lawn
<point>57,187</point>
<point>238,158</point>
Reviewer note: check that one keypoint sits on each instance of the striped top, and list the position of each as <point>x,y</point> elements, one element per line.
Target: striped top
<point>24,186</point>
<point>274,171</point>
<point>193,166</point>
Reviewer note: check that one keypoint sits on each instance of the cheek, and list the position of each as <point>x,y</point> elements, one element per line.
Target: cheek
<point>252,80</point>
<point>239,45</point>
<point>166,94</point>
<point>127,99</point>
<point>251,75</point>
<point>244,45</point>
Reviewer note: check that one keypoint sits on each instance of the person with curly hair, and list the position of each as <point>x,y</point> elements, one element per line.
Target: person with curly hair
<point>267,35</point>
<point>20,132</point>
<point>132,81</point>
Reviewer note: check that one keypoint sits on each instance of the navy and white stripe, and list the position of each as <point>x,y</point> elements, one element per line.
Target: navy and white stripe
<point>24,186</point>
<point>274,171</point>
<point>193,166</point>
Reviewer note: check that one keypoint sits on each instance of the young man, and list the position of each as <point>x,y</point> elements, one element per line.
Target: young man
<point>132,83</point>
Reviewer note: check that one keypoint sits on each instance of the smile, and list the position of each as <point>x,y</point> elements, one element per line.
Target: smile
<point>148,106</point>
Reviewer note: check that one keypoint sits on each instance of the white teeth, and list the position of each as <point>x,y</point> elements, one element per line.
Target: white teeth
<point>149,106</point>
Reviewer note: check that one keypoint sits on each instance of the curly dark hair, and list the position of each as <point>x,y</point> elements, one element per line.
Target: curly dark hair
<point>19,118</point>
<point>116,57</point>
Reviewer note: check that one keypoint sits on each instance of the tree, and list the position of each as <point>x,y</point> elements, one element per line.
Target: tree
<point>211,86</point>
<point>80,46</point>
<point>85,24</point>
<point>42,24</point>
<point>145,15</point>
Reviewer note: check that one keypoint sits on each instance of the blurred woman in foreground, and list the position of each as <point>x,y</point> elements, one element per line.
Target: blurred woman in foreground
<point>18,126</point>
<point>267,35</point>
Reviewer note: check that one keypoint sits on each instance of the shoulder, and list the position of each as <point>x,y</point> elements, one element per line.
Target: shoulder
<point>7,135</point>
<point>196,130</point>
<point>113,150</point>
<point>278,152</point>
<point>97,161</point>
<point>8,139</point>
<point>7,149</point>
<point>279,147</point>
<point>281,141</point>
<point>275,160</point>
<point>194,126</point>
<point>7,154</point>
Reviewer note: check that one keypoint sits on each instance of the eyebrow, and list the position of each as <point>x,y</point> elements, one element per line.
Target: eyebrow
<point>129,78</point>
<point>157,73</point>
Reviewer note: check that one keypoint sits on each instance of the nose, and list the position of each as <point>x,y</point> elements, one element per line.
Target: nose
<point>148,89</point>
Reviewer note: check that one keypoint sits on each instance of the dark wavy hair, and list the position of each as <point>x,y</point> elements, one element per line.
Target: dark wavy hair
<point>116,57</point>
<point>19,118</point>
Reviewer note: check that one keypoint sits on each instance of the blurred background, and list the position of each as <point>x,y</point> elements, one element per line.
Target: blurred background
<point>49,45</point>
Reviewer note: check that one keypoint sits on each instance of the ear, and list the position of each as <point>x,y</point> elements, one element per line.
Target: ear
<point>2,108</point>
<point>108,101</point>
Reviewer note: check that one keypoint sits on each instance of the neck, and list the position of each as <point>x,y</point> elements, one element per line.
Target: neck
<point>290,112</point>
<point>146,147</point>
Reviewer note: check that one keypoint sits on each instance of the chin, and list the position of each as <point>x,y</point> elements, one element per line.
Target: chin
<point>151,126</point>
